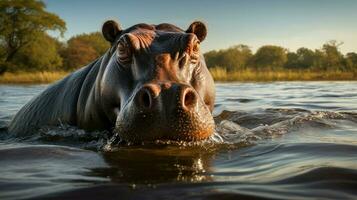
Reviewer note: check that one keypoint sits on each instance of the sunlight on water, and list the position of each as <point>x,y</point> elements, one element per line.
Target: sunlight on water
<point>273,140</point>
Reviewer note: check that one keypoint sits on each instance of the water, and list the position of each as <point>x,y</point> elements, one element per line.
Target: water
<point>281,140</point>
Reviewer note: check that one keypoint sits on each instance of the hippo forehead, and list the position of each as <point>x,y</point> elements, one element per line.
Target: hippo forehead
<point>158,39</point>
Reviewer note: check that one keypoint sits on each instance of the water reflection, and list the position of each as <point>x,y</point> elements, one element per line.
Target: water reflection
<point>274,140</point>
<point>156,165</point>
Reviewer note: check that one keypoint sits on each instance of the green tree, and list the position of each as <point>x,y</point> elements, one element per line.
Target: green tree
<point>3,66</point>
<point>292,60</point>
<point>40,54</point>
<point>319,60</point>
<point>83,49</point>
<point>212,59</point>
<point>21,21</point>
<point>305,57</point>
<point>232,59</point>
<point>95,40</point>
<point>351,61</point>
<point>269,57</point>
<point>333,57</point>
<point>237,57</point>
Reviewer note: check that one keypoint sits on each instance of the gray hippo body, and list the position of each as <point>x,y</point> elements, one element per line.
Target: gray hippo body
<point>152,83</point>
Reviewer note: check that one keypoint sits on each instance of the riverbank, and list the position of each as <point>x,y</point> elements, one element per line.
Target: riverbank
<point>31,77</point>
<point>222,75</point>
<point>217,73</point>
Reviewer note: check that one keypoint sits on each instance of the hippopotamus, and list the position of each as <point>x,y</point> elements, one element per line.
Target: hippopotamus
<point>151,84</point>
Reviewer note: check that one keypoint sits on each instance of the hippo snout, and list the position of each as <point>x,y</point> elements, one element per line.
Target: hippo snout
<point>165,111</point>
<point>148,97</point>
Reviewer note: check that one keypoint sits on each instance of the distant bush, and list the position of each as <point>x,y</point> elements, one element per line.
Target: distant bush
<point>41,54</point>
<point>269,57</point>
<point>83,49</point>
<point>351,61</point>
<point>231,59</point>
<point>275,58</point>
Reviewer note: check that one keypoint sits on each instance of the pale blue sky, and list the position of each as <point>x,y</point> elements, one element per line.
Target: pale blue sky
<point>291,24</point>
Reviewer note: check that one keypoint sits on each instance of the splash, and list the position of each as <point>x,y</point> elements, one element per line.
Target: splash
<point>232,130</point>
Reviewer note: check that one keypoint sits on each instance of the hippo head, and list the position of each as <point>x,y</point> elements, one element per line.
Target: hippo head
<point>156,84</point>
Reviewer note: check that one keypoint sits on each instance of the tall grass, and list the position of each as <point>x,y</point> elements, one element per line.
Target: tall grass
<point>220,74</point>
<point>32,77</point>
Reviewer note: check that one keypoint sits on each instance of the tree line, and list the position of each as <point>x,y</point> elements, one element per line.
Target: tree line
<point>25,45</point>
<point>271,57</point>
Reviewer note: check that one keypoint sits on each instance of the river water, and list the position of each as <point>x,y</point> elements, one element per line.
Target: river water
<point>279,140</point>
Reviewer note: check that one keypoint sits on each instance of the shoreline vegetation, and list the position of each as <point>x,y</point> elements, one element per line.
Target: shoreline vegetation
<point>251,75</point>
<point>219,75</point>
<point>29,55</point>
<point>37,77</point>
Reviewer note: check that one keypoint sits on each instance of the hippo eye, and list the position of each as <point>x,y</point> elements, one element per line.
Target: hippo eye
<point>195,53</point>
<point>124,52</point>
<point>196,47</point>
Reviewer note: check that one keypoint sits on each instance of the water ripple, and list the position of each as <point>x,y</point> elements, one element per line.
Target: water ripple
<point>280,140</point>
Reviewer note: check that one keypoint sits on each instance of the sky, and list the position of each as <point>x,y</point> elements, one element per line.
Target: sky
<point>288,23</point>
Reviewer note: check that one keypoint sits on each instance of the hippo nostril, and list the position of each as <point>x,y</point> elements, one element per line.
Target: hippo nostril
<point>189,99</point>
<point>147,96</point>
<point>145,99</point>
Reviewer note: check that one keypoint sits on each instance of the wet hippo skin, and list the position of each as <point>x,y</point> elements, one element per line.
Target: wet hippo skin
<point>151,84</point>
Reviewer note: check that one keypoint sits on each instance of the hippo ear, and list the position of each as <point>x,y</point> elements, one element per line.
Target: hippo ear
<point>199,29</point>
<point>111,30</point>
